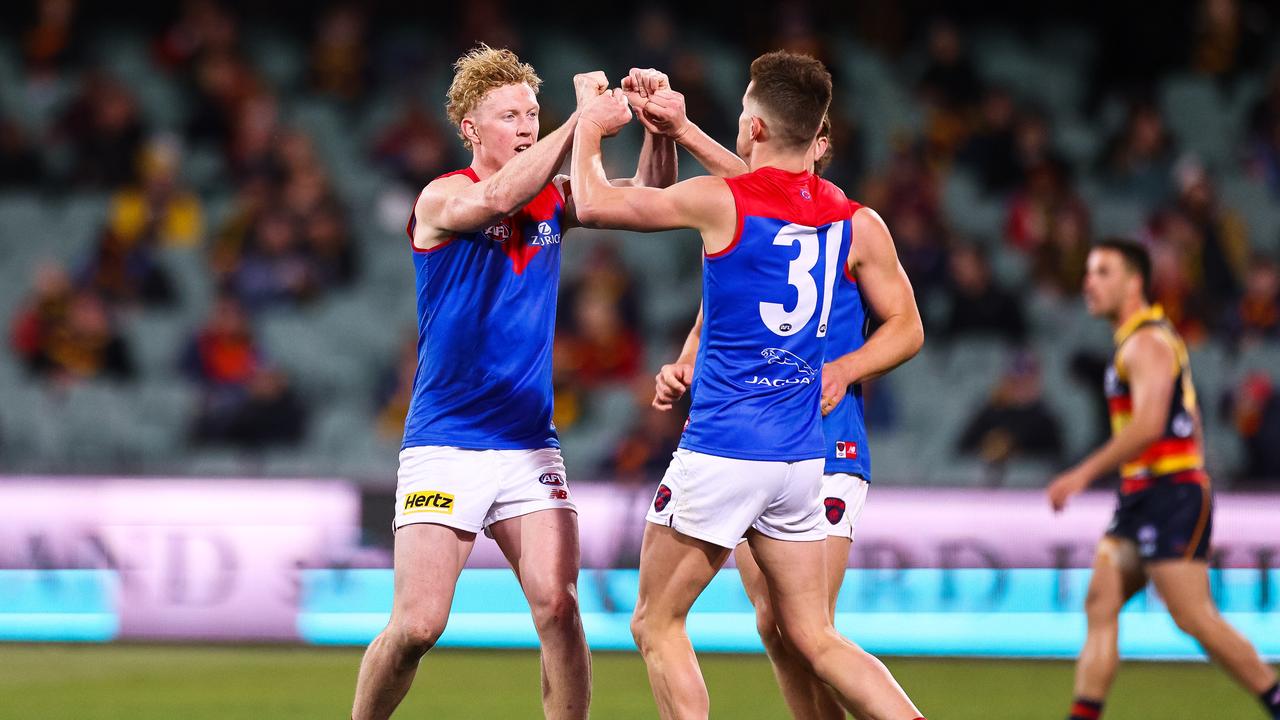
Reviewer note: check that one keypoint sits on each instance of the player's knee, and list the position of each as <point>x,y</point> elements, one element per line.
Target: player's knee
<point>554,608</point>
<point>1101,607</point>
<point>767,625</point>
<point>419,635</point>
<point>1193,622</point>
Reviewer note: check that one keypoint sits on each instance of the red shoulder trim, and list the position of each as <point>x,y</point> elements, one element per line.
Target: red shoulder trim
<point>737,230</point>
<point>413,209</point>
<point>854,207</point>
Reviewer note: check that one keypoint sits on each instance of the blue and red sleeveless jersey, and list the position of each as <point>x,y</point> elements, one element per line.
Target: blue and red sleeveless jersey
<point>486,320</point>
<point>767,303</point>
<point>845,428</point>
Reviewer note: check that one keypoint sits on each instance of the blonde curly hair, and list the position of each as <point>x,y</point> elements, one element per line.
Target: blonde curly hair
<point>476,73</point>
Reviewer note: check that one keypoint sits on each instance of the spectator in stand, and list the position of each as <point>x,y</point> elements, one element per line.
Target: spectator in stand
<point>922,255</point>
<point>949,89</point>
<point>50,46</point>
<point>395,389</point>
<point>159,212</point>
<point>1223,44</point>
<point>644,452</point>
<point>600,346</point>
<point>123,269</point>
<point>1138,161</point>
<point>1058,264</point>
<point>1256,318</point>
<point>203,28</point>
<point>656,37</point>
<point>979,306</point>
<point>1015,422</point>
<point>42,314</point>
<point>243,401</point>
<point>1254,410</point>
<point>85,346</point>
<point>222,83</point>
<point>105,133</point>
<point>274,270</point>
<point>329,248</point>
<point>413,149</point>
<point>20,164</point>
<point>991,151</point>
<point>1037,207</point>
<point>339,56</point>
<point>1263,141</point>
<point>1176,284</point>
<point>1221,251</point>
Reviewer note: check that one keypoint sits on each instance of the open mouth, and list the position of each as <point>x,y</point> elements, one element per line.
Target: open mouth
<point>524,146</point>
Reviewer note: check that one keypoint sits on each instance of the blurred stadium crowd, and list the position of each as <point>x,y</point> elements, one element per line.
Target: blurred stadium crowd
<point>204,268</point>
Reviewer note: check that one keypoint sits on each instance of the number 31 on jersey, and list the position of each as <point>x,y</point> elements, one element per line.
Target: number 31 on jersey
<point>800,276</point>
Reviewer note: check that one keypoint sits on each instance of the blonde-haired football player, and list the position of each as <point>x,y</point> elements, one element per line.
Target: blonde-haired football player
<point>480,451</point>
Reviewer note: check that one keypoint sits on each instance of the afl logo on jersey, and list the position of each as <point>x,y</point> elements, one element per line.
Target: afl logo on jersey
<point>554,479</point>
<point>498,233</point>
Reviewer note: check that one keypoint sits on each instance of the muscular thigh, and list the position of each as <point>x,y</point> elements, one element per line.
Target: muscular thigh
<point>542,548</point>
<point>428,560</point>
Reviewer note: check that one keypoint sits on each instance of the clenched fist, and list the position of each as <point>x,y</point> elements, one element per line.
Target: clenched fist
<point>610,111</point>
<point>587,86</point>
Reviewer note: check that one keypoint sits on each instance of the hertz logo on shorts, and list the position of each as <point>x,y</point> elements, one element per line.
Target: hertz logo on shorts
<point>432,501</point>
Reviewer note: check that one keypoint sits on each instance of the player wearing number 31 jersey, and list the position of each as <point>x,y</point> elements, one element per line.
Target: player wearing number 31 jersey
<point>776,241</point>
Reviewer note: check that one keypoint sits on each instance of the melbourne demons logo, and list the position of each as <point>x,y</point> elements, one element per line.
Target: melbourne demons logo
<point>846,450</point>
<point>662,498</point>
<point>835,509</point>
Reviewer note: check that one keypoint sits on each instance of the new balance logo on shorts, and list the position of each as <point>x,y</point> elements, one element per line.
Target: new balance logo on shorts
<point>846,450</point>
<point>553,479</point>
<point>662,498</point>
<point>432,501</point>
<point>835,509</point>
<point>559,494</point>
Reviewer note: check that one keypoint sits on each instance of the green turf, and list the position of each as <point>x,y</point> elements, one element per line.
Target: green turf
<point>191,683</point>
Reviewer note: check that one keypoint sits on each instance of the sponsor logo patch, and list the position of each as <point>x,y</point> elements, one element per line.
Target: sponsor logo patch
<point>662,498</point>
<point>559,494</point>
<point>846,450</point>
<point>431,501</point>
<point>835,509</point>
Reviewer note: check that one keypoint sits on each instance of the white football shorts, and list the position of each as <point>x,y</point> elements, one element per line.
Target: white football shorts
<point>473,489</point>
<point>717,499</point>
<point>843,497</point>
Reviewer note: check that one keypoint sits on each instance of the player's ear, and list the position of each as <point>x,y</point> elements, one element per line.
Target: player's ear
<point>759,131</point>
<point>469,131</point>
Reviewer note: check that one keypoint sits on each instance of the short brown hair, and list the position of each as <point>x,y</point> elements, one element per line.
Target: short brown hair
<point>1135,256</point>
<point>795,91</point>
<point>477,72</point>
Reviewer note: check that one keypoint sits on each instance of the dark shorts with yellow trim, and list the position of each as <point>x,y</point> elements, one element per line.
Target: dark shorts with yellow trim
<point>1167,521</point>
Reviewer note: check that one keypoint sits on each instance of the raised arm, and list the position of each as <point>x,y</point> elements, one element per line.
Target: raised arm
<point>874,262</point>
<point>454,204</point>
<point>663,110</point>
<point>703,203</point>
<point>1148,358</point>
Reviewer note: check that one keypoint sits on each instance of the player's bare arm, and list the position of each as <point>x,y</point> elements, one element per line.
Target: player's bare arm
<point>455,204</point>
<point>664,111</point>
<point>704,203</point>
<point>873,260</point>
<point>1148,358</point>
<point>674,379</point>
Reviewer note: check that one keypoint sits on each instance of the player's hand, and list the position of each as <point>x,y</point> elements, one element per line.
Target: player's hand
<point>835,384</point>
<point>670,384</point>
<point>610,111</point>
<point>644,82</point>
<point>589,85</point>
<point>664,114</point>
<point>1065,486</point>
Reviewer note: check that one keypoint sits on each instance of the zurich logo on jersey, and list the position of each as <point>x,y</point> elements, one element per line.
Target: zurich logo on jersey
<point>546,235</point>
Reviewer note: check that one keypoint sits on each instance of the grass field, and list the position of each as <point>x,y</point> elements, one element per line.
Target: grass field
<point>56,682</point>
